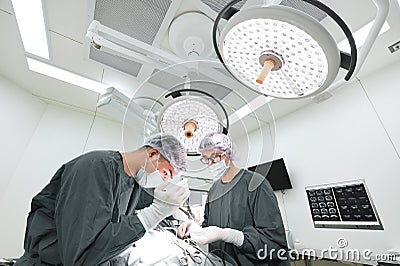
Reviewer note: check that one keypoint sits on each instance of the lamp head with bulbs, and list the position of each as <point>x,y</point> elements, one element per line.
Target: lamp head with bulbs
<point>279,51</point>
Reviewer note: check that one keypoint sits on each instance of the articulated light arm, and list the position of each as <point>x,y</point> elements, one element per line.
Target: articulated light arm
<point>380,18</point>
<point>113,42</point>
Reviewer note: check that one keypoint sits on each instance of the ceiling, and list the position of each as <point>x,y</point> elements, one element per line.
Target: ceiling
<point>67,24</point>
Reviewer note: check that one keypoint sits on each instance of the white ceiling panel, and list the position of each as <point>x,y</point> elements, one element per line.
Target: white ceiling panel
<point>13,66</point>
<point>131,86</point>
<point>347,10</point>
<point>70,55</point>
<point>239,96</point>
<point>12,63</point>
<point>380,55</point>
<point>281,107</point>
<point>121,81</point>
<point>5,6</point>
<point>245,126</point>
<point>62,92</point>
<point>68,22</point>
<point>68,18</point>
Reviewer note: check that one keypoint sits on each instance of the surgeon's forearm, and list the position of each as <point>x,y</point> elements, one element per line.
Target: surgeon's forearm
<point>233,236</point>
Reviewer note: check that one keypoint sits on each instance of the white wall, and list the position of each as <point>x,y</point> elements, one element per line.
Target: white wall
<point>20,114</point>
<point>41,137</point>
<point>353,135</point>
<point>255,147</point>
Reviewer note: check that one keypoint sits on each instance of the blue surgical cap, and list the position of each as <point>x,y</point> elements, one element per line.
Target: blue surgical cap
<point>217,142</point>
<point>170,148</point>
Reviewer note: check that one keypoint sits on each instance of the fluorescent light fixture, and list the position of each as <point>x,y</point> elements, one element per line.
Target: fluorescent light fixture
<point>243,111</point>
<point>361,35</point>
<point>253,105</point>
<point>66,76</point>
<point>248,108</point>
<point>30,19</point>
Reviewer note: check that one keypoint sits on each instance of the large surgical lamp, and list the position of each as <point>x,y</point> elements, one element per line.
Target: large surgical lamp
<point>282,52</point>
<point>191,117</point>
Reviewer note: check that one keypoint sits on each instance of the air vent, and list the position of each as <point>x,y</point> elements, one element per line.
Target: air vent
<point>306,8</point>
<point>136,18</point>
<point>119,63</point>
<point>217,6</point>
<point>224,71</point>
<point>211,87</point>
<point>165,80</point>
<point>343,205</point>
<point>314,12</point>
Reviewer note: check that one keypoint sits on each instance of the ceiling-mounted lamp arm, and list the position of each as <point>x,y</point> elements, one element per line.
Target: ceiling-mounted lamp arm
<point>346,31</point>
<point>110,41</point>
<point>124,108</point>
<point>220,15</point>
<point>380,18</point>
<point>177,93</point>
<point>317,4</point>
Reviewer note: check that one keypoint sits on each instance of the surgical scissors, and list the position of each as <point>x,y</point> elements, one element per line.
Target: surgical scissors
<point>196,258</point>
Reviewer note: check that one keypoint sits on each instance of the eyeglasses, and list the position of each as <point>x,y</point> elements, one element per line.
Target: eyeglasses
<point>213,159</point>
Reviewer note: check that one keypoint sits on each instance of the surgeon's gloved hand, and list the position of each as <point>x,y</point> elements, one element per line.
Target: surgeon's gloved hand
<point>211,234</point>
<point>168,198</point>
<point>184,229</point>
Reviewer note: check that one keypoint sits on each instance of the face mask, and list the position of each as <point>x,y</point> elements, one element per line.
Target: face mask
<point>147,180</point>
<point>218,169</point>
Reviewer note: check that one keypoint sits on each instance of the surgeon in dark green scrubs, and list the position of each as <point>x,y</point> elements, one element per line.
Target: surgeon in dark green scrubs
<point>87,214</point>
<point>242,217</point>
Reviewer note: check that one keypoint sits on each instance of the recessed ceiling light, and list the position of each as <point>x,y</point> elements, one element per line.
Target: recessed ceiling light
<point>61,74</point>
<point>361,35</point>
<point>250,107</point>
<point>30,19</point>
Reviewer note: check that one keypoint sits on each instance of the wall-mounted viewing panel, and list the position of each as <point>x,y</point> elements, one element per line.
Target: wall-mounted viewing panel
<point>343,205</point>
<point>275,172</point>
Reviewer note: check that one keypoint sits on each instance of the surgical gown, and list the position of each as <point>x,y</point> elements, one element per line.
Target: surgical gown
<point>85,215</point>
<point>255,212</point>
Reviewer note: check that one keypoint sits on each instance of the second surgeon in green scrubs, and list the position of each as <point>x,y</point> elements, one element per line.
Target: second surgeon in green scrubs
<point>242,217</point>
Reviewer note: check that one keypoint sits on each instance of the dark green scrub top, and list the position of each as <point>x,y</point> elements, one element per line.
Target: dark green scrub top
<point>252,210</point>
<point>85,215</point>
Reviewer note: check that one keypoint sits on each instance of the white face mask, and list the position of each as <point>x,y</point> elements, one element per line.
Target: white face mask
<point>218,169</point>
<point>147,180</point>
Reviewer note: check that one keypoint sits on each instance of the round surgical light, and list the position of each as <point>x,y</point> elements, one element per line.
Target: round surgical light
<point>279,51</point>
<point>190,119</point>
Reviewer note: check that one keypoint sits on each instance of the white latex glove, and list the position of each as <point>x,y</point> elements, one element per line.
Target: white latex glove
<point>168,198</point>
<point>214,233</point>
<point>184,229</point>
